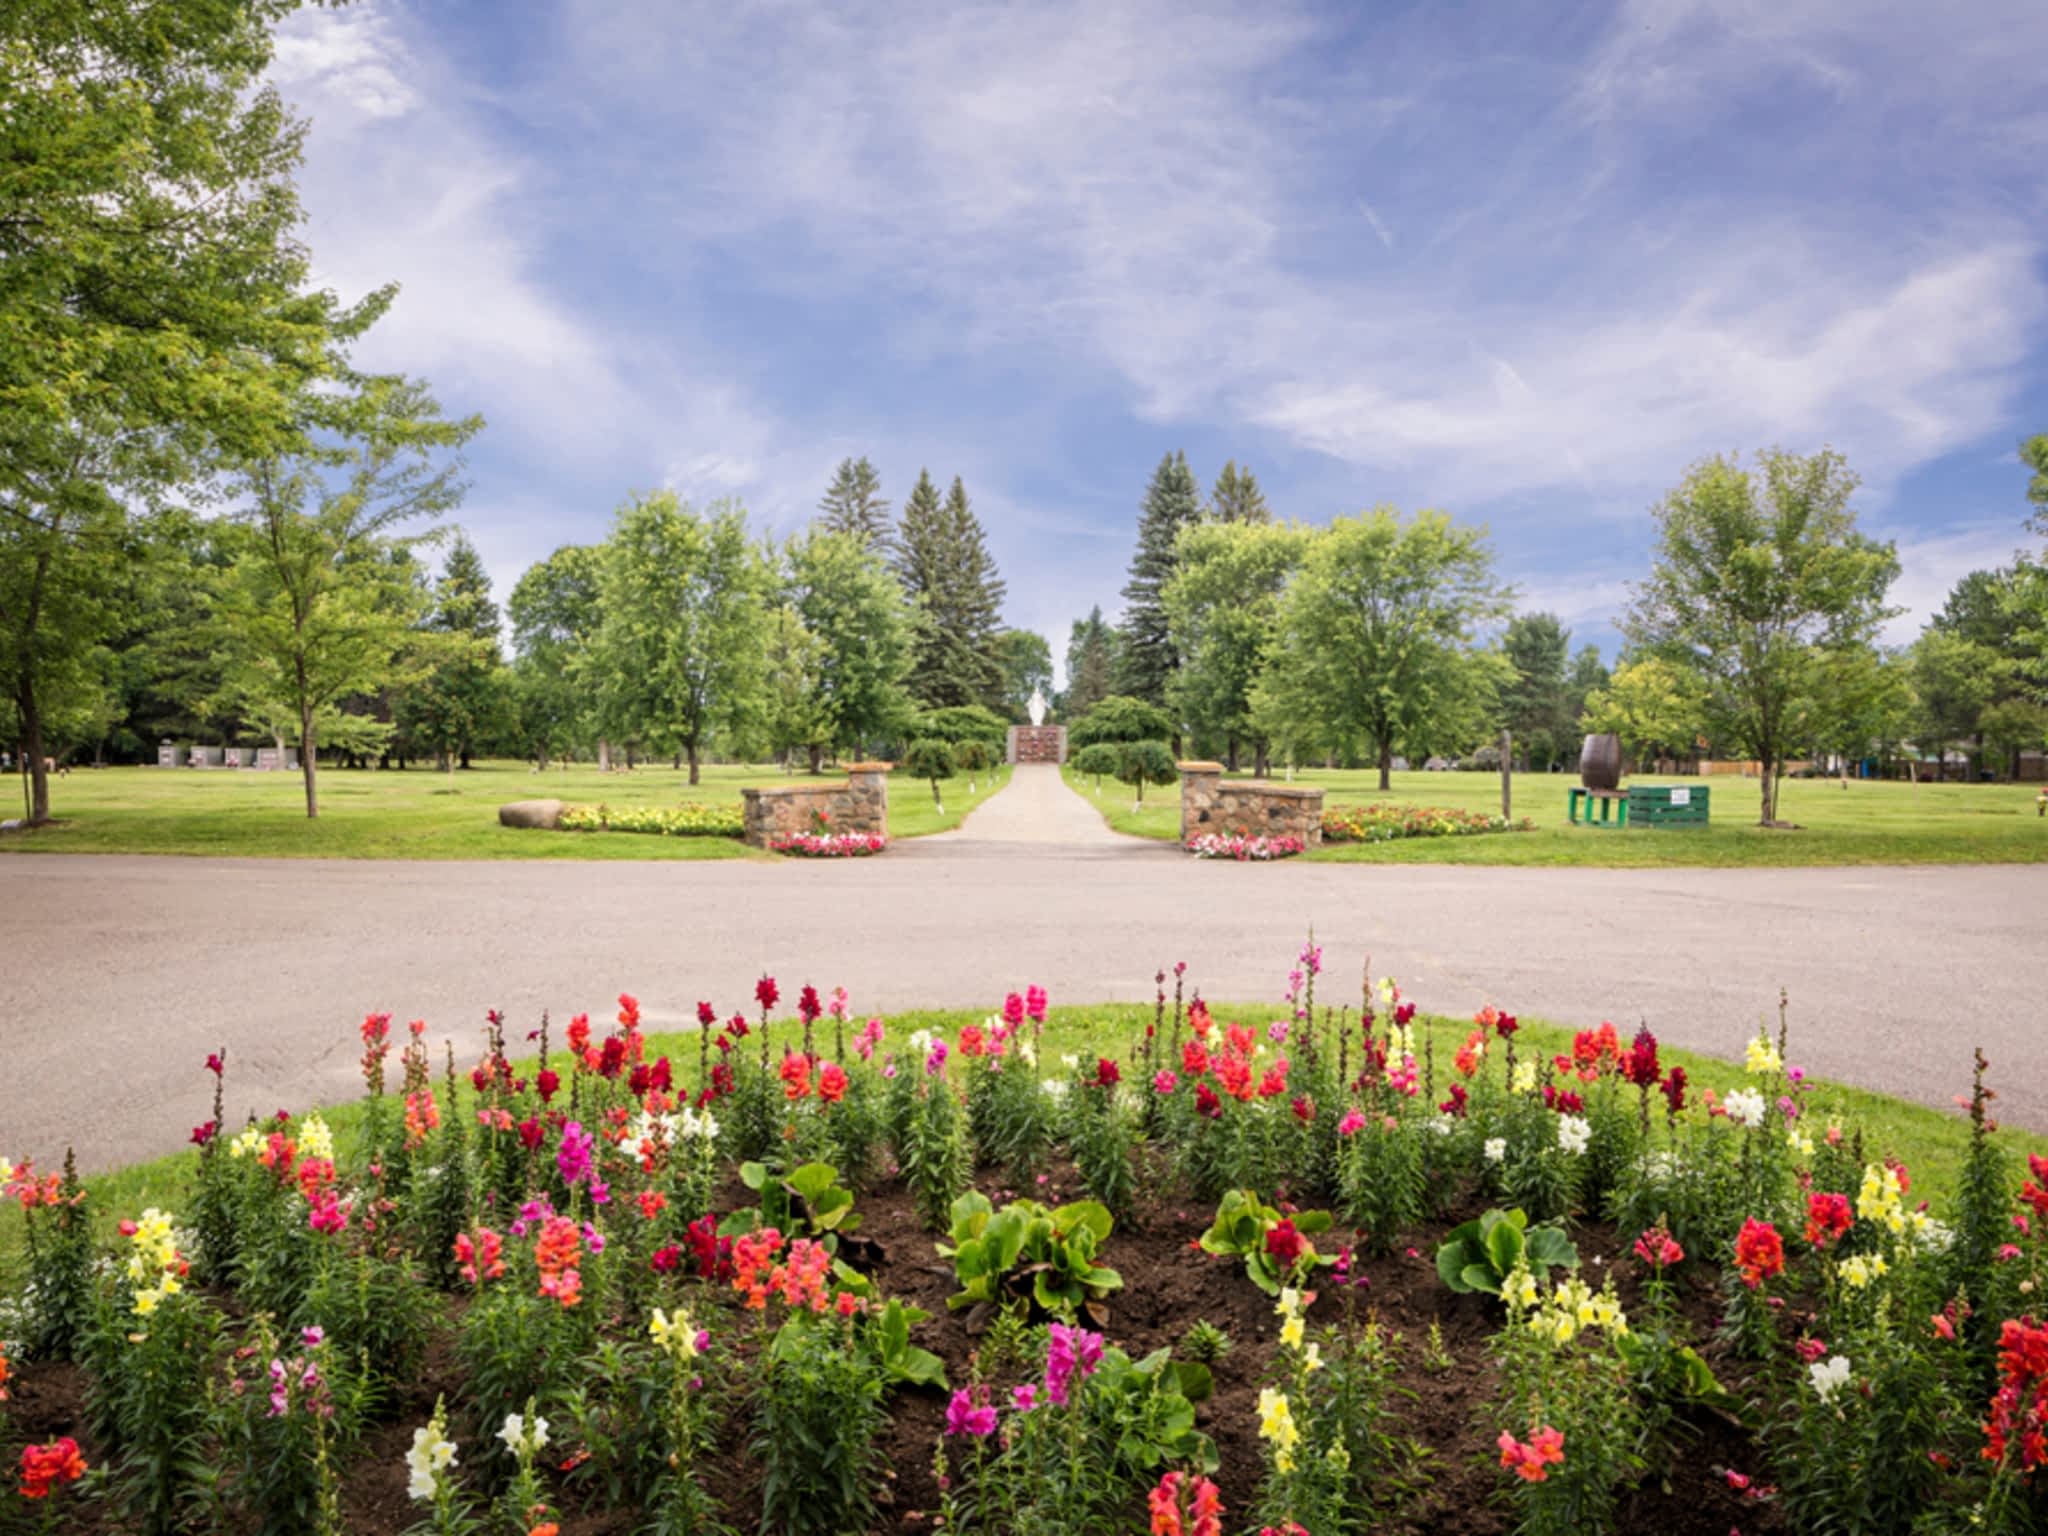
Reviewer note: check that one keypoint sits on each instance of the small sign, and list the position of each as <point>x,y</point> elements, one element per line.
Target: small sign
<point>1681,797</point>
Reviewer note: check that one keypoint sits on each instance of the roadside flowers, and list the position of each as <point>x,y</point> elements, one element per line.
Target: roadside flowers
<point>522,1438</point>
<point>970,1414</point>
<point>1496,1149</point>
<point>1072,1352</point>
<point>1658,1249</point>
<point>155,1268</point>
<point>1745,1107</point>
<point>1827,1218</point>
<point>1829,1376</point>
<point>1277,1427</point>
<point>1759,1252</point>
<point>44,1467</point>
<point>1859,1271</point>
<point>1184,1504</point>
<point>1532,1460</point>
<point>1574,1133</point>
<point>479,1255</point>
<point>1761,1059</point>
<point>432,1454</point>
<point>1882,1197</point>
<point>2019,1408</point>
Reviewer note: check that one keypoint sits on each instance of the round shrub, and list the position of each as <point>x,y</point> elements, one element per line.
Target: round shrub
<point>1145,762</point>
<point>1120,718</point>
<point>930,758</point>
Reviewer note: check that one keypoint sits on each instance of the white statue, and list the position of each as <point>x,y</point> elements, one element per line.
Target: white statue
<point>1036,708</point>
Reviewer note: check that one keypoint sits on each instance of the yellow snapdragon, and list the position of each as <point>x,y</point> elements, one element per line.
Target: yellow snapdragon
<point>675,1336</point>
<point>315,1139</point>
<point>1859,1270</point>
<point>1882,1198</point>
<point>247,1144</point>
<point>1276,1425</point>
<point>1762,1057</point>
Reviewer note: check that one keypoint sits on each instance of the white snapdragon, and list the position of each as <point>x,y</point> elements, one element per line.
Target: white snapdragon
<point>1829,1376</point>
<point>1574,1132</point>
<point>1496,1149</point>
<point>1745,1107</point>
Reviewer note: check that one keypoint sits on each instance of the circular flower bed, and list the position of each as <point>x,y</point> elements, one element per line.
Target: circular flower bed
<point>830,845</point>
<point>1244,849</point>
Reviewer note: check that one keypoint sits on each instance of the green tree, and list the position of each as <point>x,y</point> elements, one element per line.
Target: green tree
<point>1223,607</point>
<point>320,600</point>
<point>1120,718</point>
<point>792,714</point>
<point>1757,575</point>
<point>681,601</point>
<point>943,561</point>
<point>853,504</point>
<point>855,611</point>
<point>1237,497</point>
<point>930,759</point>
<point>1026,659</point>
<point>1099,760</point>
<point>150,299</point>
<point>1375,636</point>
<point>1863,706</point>
<point>555,611</point>
<point>1091,665</point>
<point>1588,673</point>
<point>1535,701</point>
<point>1145,654</point>
<point>460,694</point>
<point>1954,682</point>
<point>1655,706</point>
<point>2034,454</point>
<point>1139,763</point>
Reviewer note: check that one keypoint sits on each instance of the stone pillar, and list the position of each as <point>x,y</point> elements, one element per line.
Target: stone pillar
<point>867,798</point>
<point>1198,794</point>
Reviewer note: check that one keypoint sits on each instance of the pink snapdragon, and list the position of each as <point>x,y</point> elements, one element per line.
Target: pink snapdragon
<point>1072,1352</point>
<point>970,1414</point>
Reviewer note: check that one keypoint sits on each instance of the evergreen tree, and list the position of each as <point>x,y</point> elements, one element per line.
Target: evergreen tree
<point>1534,700</point>
<point>1237,497</point>
<point>462,597</point>
<point>1091,664</point>
<point>854,503</point>
<point>1146,658</point>
<point>943,562</point>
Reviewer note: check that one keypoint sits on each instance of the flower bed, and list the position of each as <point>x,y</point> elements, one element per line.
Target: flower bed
<point>1298,1275</point>
<point>1381,823</point>
<point>687,820</point>
<point>1244,848</point>
<point>830,845</point>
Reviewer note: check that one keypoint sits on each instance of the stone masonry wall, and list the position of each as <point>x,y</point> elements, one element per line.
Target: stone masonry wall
<point>1038,743</point>
<point>1258,807</point>
<point>861,804</point>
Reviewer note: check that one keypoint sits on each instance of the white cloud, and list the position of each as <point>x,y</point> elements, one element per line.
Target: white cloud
<point>1930,564</point>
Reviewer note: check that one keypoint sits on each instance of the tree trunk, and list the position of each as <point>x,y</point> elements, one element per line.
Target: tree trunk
<point>692,749</point>
<point>1769,783</point>
<point>1230,753</point>
<point>309,765</point>
<point>604,755</point>
<point>1507,774</point>
<point>1386,764</point>
<point>817,758</point>
<point>32,751</point>
<point>675,762</point>
<point>1262,761</point>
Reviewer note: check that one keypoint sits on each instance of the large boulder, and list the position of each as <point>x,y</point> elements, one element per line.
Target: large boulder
<point>532,813</point>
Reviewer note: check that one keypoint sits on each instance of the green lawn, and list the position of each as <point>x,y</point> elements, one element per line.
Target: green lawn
<point>1867,823</point>
<point>1930,1142</point>
<point>416,814</point>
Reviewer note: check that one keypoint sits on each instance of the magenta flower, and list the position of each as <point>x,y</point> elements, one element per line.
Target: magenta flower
<point>1073,1351</point>
<point>574,1157</point>
<point>1024,1398</point>
<point>1013,1010</point>
<point>1165,1081</point>
<point>1351,1124</point>
<point>965,1417</point>
<point>1034,1004</point>
<point>935,1059</point>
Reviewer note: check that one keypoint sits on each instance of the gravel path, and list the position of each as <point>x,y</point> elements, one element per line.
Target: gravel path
<point>120,973</point>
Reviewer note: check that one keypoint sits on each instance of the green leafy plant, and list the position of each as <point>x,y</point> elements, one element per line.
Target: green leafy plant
<point>1481,1254</point>
<point>1027,1252</point>
<point>1205,1342</point>
<point>808,1201</point>
<point>887,1343</point>
<point>932,760</point>
<point>1275,1248</point>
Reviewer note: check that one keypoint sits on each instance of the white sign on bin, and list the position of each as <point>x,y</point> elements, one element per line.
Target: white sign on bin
<point>1681,797</point>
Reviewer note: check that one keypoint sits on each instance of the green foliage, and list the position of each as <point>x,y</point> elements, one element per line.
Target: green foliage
<point>1028,1253</point>
<point>1222,605</point>
<point>950,578</point>
<point>1758,574</point>
<point>1375,635</point>
<point>960,724</point>
<point>931,759</point>
<point>1100,760</point>
<point>1237,498</point>
<point>1091,665</point>
<point>555,614</point>
<point>861,629</point>
<point>1205,1342</point>
<point>1481,1254</point>
<point>1119,718</point>
<point>808,1201</point>
<point>853,505</point>
<point>932,1149</point>
<point>677,653</point>
<point>886,1340</point>
<point>1139,763</point>
<point>1026,659</point>
<point>1146,658</point>
<point>818,1418</point>
<point>1244,1226</point>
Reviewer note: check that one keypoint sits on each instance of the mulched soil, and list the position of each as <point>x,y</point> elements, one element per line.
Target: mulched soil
<point>1168,1284</point>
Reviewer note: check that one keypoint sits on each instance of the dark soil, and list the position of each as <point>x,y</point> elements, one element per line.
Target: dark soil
<point>1168,1285</point>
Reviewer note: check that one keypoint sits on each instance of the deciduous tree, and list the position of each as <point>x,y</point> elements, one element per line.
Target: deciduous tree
<point>1223,607</point>
<point>856,615</point>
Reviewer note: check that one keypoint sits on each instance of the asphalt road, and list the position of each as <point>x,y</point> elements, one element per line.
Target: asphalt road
<point>118,974</point>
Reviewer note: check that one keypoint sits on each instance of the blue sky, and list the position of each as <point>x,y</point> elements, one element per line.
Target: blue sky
<point>1524,263</point>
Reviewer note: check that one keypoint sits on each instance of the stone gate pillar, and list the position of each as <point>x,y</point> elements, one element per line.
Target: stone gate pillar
<point>1198,787</point>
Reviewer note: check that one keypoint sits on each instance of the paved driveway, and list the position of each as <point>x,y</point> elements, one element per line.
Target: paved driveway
<point>118,974</point>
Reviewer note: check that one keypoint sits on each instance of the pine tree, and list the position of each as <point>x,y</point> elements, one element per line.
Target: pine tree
<point>462,597</point>
<point>943,562</point>
<point>1147,657</point>
<point>854,503</point>
<point>1091,664</point>
<point>1237,497</point>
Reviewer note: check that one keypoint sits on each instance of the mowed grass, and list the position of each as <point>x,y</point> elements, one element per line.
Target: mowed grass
<point>418,813</point>
<point>1869,822</point>
<point>1930,1142</point>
